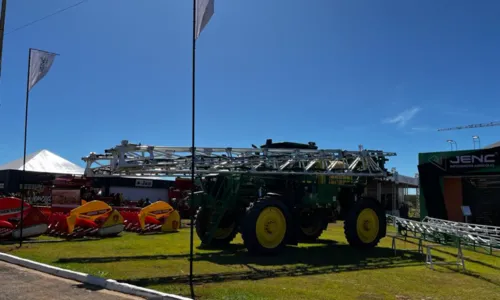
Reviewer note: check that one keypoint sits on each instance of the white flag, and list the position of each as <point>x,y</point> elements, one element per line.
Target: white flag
<point>40,63</point>
<point>204,11</point>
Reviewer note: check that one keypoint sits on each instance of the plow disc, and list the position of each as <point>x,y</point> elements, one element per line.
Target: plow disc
<point>94,218</point>
<point>35,223</point>
<point>156,217</point>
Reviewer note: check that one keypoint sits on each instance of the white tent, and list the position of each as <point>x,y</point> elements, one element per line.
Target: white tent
<point>46,162</point>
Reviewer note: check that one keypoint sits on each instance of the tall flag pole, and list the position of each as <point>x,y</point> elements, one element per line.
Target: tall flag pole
<point>202,12</point>
<point>39,63</point>
<point>2,31</point>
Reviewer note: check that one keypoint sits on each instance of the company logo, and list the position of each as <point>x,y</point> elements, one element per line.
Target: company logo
<point>9,211</point>
<point>464,161</point>
<point>438,161</point>
<point>175,225</point>
<point>143,183</point>
<point>473,161</point>
<point>159,212</point>
<point>95,213</point>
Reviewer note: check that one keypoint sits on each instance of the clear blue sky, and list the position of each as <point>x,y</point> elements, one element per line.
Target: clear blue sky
<point>384,74</point>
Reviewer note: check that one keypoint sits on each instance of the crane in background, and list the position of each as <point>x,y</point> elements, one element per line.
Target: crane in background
<point>490,124</point>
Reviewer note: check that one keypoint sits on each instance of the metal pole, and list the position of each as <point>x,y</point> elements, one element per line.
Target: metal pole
<point>193,151</point>
<point>25,143</point>
<point>2,31</point>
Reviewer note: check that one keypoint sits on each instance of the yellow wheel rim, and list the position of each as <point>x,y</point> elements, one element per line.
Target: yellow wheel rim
<point>270,227</point>
<point>367,225</point>
<point>223,233</point>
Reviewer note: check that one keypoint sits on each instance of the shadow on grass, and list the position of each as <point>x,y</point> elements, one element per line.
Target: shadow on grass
<point>253,274</point>
<point>295,261</point>
<point>468,273</point>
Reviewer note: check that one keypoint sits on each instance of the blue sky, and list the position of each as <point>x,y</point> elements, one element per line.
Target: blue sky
<point>385,74</point>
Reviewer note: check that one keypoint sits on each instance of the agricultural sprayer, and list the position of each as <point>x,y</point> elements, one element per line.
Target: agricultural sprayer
<point>274,195</point>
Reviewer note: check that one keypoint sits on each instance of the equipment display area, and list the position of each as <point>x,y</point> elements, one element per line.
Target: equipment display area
<point>277,194</point>
<point>450,180</point>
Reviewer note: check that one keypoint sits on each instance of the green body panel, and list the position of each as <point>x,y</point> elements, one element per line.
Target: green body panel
<point>325,195</point>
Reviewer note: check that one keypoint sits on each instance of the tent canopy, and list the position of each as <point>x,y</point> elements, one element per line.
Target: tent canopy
<point>45,161</point>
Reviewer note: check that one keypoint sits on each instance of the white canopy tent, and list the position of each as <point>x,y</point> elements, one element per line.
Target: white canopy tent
<point>45,161</point>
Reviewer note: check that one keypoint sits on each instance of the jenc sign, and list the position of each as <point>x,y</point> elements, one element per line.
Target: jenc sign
<point>472,161</point>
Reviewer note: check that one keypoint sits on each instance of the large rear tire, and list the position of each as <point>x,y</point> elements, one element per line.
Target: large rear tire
<point>365,223</point>
<point>266,226</point>
<point>227,231</point>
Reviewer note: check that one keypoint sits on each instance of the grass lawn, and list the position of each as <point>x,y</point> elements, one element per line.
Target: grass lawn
<point>329,269</point>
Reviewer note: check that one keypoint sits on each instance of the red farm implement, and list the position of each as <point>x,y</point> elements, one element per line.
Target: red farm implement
<point>156,217</point>
<point>94,218</point>
<point>35,223</point>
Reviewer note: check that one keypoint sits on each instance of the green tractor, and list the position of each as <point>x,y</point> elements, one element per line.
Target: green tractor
<point>274,210</point>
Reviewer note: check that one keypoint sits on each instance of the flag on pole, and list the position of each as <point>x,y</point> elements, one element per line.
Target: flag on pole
<point>204,11</point>
<point>40,63</point>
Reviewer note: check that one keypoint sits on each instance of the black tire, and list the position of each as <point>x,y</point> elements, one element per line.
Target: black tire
<point>366,240</point>
<point>249,226</point>
<point>228,222</point>
<point>313,223</point>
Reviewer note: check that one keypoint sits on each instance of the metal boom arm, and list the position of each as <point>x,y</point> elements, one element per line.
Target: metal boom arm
<point>144,160</point>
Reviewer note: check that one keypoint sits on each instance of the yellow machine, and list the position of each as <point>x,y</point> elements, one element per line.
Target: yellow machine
<point>156,217</point>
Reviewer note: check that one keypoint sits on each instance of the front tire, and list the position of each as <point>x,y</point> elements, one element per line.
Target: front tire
<point>227,231</point>
<point>365,224</point>
<point>265,228</point>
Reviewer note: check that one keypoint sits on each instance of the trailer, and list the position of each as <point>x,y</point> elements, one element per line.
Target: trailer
<point>276,194</point>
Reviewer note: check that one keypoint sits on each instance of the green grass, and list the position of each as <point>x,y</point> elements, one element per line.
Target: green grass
<point>329,269</point>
